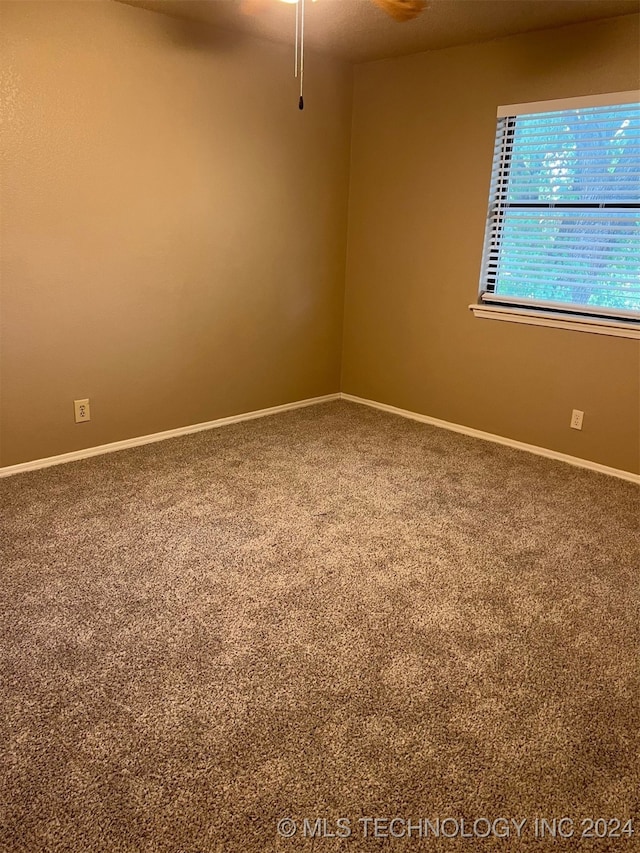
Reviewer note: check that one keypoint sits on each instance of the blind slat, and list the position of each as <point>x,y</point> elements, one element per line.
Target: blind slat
<point>558,278</point>
<point>569,307</point>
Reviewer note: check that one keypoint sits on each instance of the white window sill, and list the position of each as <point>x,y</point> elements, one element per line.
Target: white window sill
<point>577,323</point>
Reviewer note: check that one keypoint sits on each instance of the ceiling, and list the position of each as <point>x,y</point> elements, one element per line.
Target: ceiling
<point>358,31</point>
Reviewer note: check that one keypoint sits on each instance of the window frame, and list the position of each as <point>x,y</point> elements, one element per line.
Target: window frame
<point>510,309</point>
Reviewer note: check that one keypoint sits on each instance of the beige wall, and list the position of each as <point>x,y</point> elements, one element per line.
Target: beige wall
<point>173,228</point>
<point>173,233</point>
<point>422,144</point>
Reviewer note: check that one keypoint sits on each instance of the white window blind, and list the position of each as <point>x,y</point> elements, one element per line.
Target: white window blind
<point>563,227</point>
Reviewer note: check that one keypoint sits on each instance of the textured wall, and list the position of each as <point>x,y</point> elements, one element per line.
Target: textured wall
<point>422,144</point>
<point>173,228</point>
<point>173,233</point>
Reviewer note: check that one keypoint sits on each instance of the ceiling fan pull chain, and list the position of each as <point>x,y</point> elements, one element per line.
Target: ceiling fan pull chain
<point>301,101</point>
<point>295,61</point>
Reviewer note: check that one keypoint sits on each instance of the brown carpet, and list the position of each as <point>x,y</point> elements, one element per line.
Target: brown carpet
<point>333,612</point>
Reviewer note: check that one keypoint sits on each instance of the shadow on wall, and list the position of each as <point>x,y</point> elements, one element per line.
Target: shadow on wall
<point>194,35</point>
<point>572,49</point>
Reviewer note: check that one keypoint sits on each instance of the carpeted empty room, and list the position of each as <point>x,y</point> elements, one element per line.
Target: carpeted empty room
<point>331,612</point>
<point>319,426</point>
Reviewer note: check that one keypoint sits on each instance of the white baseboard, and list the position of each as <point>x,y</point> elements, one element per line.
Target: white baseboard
<point>114,446</point>
<point>498,439</point>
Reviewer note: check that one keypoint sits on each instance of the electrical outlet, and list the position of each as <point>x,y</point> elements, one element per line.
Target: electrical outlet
<point>576,419</point>
<point>82,411</point>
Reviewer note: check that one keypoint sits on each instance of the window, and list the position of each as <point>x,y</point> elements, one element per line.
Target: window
<point>562,241</point>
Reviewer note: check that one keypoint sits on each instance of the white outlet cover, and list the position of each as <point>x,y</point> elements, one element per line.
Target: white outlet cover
<point>82,411</point>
